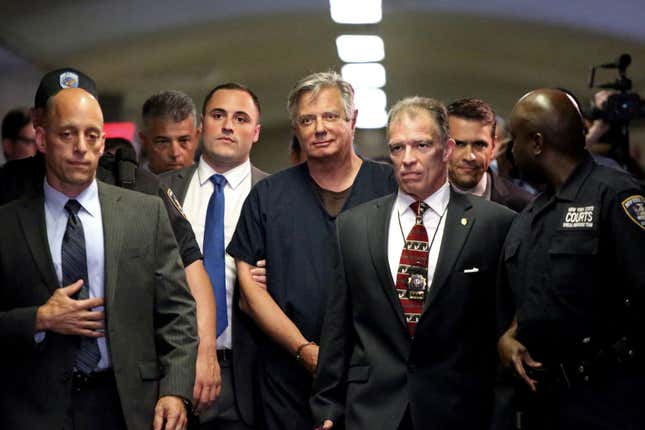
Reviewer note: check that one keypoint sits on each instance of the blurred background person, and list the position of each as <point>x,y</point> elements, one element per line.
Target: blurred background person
<point>18,135</point>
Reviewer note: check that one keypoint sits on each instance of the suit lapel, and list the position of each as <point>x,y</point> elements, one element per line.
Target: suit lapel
<point>378,231</point>
<point>32,220</point>
<point>180,181</point>
<point>458,223</point>
<point>257,175</point>
<point>112,237</point>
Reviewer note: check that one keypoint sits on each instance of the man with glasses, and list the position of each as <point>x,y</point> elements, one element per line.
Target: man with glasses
<point>289,219</point>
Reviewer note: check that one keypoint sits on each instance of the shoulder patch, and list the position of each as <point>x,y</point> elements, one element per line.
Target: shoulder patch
<point>175,202</point>
<point>634,207</point>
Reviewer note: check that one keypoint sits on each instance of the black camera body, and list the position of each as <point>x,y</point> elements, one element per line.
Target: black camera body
<point>620,108</point>
<point>623,106</point>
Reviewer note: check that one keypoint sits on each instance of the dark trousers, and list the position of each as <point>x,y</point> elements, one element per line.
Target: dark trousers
<point>610,401</point>
<point>285,389</point>
<point>406,422</point>
<point>95,404</point>
<point>223,415</point>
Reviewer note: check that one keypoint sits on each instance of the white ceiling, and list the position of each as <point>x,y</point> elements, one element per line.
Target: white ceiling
<point>494,49</point>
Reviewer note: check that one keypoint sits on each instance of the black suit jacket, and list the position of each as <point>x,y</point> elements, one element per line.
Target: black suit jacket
<point>150,314</point>
<point>369,370</point>
<point>507,193</point>
<point>245,334</point>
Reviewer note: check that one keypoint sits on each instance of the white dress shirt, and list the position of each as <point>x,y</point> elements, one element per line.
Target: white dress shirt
<point>200,189</point>
<point>92,220</point>
<point>434,220</point>
<point>482,189</point>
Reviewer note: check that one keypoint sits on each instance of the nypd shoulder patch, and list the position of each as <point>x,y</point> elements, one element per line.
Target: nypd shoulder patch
<point>175,202</point>
<point>634,207</point>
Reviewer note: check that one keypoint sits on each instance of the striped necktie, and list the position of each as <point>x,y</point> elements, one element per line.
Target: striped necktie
<point>412,274</point>
<point>74,266</point>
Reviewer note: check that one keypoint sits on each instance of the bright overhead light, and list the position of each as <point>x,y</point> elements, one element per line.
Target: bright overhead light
<point>370,103</point>
<point>356,11</point>
<point>370,99</point>
<point>364,75</point>
<point>360,49</point>
<point>371,119</point>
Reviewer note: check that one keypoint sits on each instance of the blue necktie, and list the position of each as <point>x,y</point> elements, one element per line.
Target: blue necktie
<point>214,249</point>
<point>74,266</point>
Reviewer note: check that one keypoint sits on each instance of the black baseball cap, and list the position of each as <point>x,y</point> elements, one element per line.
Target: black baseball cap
<point>58,79</point>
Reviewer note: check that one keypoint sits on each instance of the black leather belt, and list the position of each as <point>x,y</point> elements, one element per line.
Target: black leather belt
<point>83,381</point>
<point>225,354</point>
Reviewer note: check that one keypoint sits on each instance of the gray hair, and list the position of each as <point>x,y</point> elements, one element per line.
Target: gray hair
<point>169,105</point>
<point>412,106</point>
<point>316,82</point>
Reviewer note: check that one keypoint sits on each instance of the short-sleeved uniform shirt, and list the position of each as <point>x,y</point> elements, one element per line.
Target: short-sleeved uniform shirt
<point>284,221</point>
<point>571,260</point>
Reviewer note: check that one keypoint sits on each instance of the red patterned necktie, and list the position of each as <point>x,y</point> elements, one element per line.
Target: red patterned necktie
<point>412,275</point>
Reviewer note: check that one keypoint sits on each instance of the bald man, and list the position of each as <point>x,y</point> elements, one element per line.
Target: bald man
<point>97,326</point>
<point>572,282</point>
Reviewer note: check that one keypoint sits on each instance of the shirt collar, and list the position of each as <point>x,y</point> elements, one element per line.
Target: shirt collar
<point>234,176</point>
<point>571,186</point>
<point>438,201</point>
<point>480,189</point>
<point>88,198</point>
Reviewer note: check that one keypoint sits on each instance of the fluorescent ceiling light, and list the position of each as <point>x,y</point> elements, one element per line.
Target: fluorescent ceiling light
<point>370,103</point>
<point>356,11</point>
<point>371,119</point>
<point>370,99</point>
<point>364,75</point>
<point>360,49</point>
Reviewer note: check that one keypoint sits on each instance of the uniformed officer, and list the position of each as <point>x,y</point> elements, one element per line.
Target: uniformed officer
<point>572,278</point>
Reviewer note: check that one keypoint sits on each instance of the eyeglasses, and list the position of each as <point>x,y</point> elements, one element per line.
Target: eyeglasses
<point>306,121</point>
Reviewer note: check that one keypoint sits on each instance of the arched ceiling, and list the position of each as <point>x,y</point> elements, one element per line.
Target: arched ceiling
<point>496,50</point>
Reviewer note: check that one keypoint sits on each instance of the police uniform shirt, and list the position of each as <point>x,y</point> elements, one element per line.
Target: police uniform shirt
<point>572,258</point>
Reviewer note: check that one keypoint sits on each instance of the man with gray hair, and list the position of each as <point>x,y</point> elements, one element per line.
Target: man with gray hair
<point>170,131</point>
<point>408,340</point>
<point>289,219</point>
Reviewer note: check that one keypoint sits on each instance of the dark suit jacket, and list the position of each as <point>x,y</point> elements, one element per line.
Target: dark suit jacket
<point>245,332</point>
<point>369,370</point>
<point>150,313</point>
<point>508,194</point>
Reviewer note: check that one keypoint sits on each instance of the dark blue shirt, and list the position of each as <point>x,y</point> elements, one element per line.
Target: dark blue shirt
<point>570,261</point>
<point>284,221</point>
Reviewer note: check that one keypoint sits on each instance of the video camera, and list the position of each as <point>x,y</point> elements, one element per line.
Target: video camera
<point>623,106</point>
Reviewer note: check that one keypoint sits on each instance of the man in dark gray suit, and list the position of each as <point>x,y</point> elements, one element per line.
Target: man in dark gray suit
<point>96,321</point>
<point>231,125</point>
<point>408,340</point>
<point>472,126</point>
